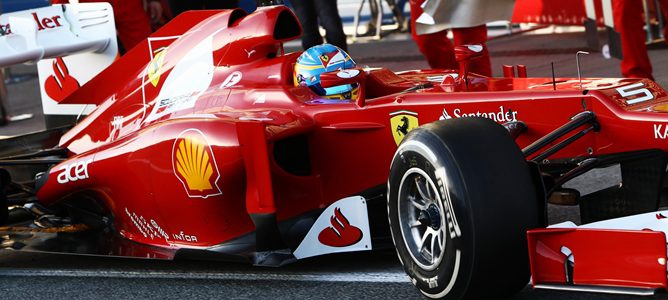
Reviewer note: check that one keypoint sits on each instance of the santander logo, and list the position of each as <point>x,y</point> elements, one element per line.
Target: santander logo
<point>61,84</point>
<point>341,233</point>
<point>42,24</point>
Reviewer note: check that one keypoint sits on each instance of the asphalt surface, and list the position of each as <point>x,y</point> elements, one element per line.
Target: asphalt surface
<point>373,275</point>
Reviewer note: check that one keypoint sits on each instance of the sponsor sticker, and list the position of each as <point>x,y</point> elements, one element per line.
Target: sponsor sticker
<point>194,164</point>
<point>185,238</point>
<point>249,53</point>
<point>176,88</point>
<point>402,122</point>
<point>61,84</point>
<point>54,19</point>
<point>167,106</point>
<point>635,93</point>
<point>117,123</point>
<point>341,233</point>
<point>48,22</point>
<point>5,29</point>
<point>232,80</point>
<point>149,229</point>
<point>501,116</point>
<point>660,131</point>
<point>155,66</point>
<point>75,171</point>
<point>342,227</point>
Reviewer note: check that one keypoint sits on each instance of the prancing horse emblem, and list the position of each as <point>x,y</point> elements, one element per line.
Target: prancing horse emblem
<point>402,122</point>
<point>403,128</point>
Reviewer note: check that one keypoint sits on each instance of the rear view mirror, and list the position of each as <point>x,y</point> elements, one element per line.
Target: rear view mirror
<point>468,52</point>
<point>345,76</point>
<point>341,77</point>
<point>463,55</point>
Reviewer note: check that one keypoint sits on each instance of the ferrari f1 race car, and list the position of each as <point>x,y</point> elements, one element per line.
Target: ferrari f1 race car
<point>197,143</point>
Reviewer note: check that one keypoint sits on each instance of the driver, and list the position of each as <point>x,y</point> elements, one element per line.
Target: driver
<point>320,59</point>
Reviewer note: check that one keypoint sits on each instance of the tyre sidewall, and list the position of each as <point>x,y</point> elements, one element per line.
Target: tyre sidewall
<point>493,200</point>
<point>450,277</point>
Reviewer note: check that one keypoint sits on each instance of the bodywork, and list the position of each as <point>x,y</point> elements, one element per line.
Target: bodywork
<point>201,144</point>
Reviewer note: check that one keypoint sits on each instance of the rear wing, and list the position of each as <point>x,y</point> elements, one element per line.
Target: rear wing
<point>71,43</point>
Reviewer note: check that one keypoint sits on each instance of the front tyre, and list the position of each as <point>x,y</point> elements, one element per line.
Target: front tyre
<point>460,200</point>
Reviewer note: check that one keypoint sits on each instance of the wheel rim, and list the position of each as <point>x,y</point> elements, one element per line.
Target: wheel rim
<point>422,219</point>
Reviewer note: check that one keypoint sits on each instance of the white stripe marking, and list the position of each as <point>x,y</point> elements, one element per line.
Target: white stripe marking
<point>20,117</point>
<point>373,277</point>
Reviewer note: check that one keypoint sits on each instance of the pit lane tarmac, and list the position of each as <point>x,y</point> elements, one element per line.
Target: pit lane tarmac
<point>370,275</point>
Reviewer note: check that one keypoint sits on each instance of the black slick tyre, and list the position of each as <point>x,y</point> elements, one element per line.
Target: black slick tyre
<point>460,200</point>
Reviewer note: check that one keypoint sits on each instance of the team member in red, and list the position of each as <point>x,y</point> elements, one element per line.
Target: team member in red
<point>439,50</point>
<point>466,18</point>
<point>629,23</point>
<point>3,100</point>
<point>132,23</point>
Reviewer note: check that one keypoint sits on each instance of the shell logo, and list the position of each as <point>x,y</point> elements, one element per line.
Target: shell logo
<point>195,165</point>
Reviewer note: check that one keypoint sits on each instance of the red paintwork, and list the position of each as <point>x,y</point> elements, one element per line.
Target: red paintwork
<point>128,160</point>
<point>565,12</point>
<point>622,258</point>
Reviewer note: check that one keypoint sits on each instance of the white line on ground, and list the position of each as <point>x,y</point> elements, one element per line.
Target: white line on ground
<point>369,277</point>
<point>20,117</point>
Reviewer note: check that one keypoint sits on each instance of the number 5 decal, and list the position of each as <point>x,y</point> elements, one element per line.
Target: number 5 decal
<point>633,90</point>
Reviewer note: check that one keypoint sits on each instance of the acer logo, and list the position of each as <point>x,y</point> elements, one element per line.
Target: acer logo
<point>341,233</point>
<point>46,23</point>
<point>74,171</point>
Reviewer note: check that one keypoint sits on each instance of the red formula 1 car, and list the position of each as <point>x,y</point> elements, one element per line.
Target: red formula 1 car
<point>202,145</point>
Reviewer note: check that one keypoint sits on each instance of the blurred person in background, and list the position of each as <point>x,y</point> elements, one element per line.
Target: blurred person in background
<point>397,9</point>
<point>629,22</point>
<point>4,118</point>
<point>158,12</point>
<point>311,14</point>
<point>431,20</point>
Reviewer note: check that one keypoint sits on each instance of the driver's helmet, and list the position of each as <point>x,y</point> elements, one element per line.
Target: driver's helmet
<point>320,59</point>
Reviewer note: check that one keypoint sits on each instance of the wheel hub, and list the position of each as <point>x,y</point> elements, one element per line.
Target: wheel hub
<point>421,218</point>
<point>430,217</point>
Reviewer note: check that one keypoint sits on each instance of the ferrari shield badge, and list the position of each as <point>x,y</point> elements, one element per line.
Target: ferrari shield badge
<point>401,123</point>
<point>157,48</point>
<point>155,67</point>
<point>195,165</point>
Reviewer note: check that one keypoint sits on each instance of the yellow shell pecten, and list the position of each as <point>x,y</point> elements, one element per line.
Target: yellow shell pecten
<point>193,164</point>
